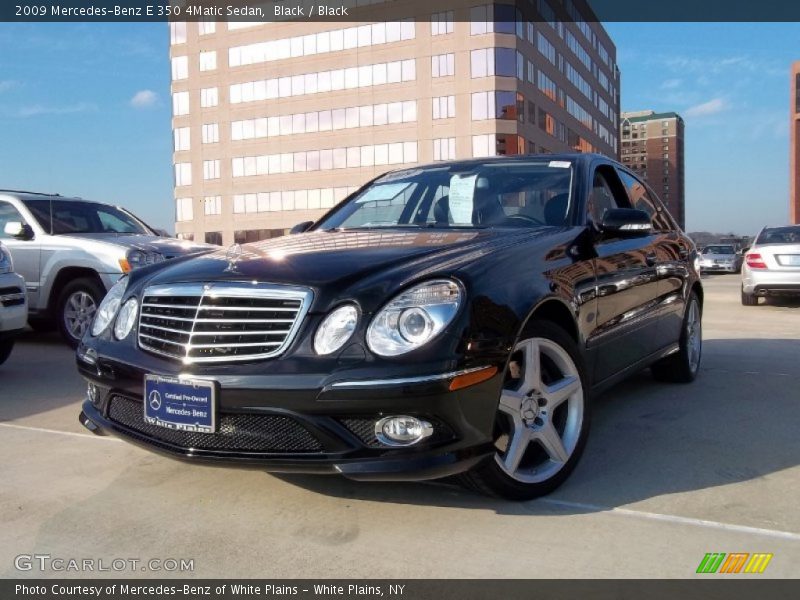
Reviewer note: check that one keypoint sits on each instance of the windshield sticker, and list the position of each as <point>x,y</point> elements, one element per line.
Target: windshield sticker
<point>385,191</point>
<point>462,195</point>
<point>560,164</point>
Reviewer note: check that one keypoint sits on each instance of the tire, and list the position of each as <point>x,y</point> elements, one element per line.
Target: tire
<point>5,350</point>
<point>526,414</point>
<point>81,296</point>
<point>749,299</point>
<point>683,365</point>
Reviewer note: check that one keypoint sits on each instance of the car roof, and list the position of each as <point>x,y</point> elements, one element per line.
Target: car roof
<point>577,157</point>
<point>26,195</point>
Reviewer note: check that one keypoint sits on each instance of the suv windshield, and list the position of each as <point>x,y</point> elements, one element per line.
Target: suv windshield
<point>719,250</point>
<point>780,235</point>
<point>75,216</point>
<point>519,194</point>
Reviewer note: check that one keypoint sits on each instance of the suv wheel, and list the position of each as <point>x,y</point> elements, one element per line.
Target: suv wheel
<point>683,365</point>
<point>749,299</point>
<point>76,307</point>
<point>542,419</point>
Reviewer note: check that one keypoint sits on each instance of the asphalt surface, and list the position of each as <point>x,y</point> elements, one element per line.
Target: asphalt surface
<point>670,473</point>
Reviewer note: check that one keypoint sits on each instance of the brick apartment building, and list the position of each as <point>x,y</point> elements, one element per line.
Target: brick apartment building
<point>653,147</point>
<point>794,167</point>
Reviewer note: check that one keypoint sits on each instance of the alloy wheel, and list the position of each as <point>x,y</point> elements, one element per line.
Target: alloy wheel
<point>79,311</point>
<point>540,412</point>
<point>694,337</point>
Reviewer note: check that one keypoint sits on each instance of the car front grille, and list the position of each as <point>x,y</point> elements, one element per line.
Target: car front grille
<point>221,322</point>
<point>235,432</point>
<point>12,296</point>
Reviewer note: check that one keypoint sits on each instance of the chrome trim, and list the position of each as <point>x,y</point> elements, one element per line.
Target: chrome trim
<point>12,297</point>
<point>225,290</point>
<point>403,380</point>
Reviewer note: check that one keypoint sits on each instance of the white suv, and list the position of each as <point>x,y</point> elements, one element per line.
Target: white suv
<point>71,251</point>
<point>13,306</point>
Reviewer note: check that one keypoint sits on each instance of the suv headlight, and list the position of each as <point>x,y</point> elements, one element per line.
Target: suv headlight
<point>6,262</point>
<point>336,329</point>
<point>109,307</point>
<point>414,317</point>
<point>137,258</point>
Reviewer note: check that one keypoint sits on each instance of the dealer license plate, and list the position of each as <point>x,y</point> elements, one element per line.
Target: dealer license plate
<point>182,404</point>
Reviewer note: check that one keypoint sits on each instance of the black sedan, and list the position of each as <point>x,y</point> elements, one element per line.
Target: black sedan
<point>451,319</point>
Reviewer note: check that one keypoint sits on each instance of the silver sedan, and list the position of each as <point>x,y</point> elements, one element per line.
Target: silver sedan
<point>721,258</point>
<point>772,265</point>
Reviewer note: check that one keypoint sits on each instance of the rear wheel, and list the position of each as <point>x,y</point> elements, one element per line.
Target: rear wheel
<point>5,350</point>
<point>683,365</point>
<point>749,299</point>
<point>542,419</point>
<point>76,307</point>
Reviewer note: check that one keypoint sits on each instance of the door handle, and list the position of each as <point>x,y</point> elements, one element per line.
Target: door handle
<point>651,259</point>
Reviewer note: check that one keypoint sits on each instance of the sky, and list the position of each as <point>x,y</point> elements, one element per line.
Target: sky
<point>85,110</point>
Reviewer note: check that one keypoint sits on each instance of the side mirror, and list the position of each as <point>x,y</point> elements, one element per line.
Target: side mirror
<point>301,227</point>
<point>19,230</point>
<point>625,222</point>
<point>744,250</point>
<point>162,233</point>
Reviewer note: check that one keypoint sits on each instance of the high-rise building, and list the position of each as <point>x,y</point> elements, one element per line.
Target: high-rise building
<point>652,146</point>
<point>276,122</point>
<point>794,151</point>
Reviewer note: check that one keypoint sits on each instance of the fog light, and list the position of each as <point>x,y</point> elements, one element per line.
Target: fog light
<point>402,430</point>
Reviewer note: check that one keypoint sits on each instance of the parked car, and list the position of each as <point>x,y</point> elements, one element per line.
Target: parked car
<point>71,251</point>
<point>446,319</point>
<point>13,305</point>
<point>772,265</point>
<point>720,258</point>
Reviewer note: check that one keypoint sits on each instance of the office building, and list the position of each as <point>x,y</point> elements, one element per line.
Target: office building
<point>652,146</point>
<point>276,122</point>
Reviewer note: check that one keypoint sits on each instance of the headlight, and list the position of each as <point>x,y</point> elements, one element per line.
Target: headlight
<point>336,329</point>
<point>414,317</point>
<point>137,258</point>
<point>126,319</point>
<point>6,263</point>
<point>109,307</point>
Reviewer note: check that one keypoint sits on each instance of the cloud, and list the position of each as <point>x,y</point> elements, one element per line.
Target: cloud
<point>36,110</point>
<point>706,109</point>
<point>144,99</point>
<point>7,84</point>
<point>671,84</point>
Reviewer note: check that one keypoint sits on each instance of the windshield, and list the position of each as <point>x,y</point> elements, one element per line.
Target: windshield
<point>74,216</point>
<point>780,235</point>
<point>719,250</point>
<point>519,194</point>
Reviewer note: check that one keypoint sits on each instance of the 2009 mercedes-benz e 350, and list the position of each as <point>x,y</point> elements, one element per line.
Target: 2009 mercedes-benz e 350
<point>449,319</point>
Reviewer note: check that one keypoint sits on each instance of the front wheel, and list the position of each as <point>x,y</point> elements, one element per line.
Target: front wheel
<point>542,419</point>
<point>683,365</point>
<point>76,307</point>
<point>5,350</point>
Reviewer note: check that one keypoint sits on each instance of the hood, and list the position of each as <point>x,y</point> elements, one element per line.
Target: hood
<point>169,247</point>
<point>333,262</point>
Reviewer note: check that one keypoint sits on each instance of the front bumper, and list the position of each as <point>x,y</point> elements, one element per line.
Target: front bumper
<point>720,268</point>
<point>13,304</point>
<point>304,425</point>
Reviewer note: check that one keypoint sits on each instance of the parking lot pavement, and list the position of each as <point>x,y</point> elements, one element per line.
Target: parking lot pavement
<point>670,473</point>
